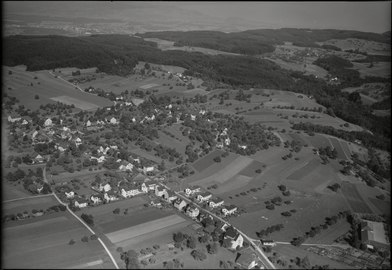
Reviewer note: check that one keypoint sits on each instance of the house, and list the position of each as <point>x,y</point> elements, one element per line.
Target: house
<point>170,196</point>
<point>39,159</point>
<point>113,121</point>
<point>96,199</point>
<point>192,190</point>
<point>144,188</point>
<point>80,202</point>
<point>242,146</point>
<point>78,141</point>
<point>152,186</point>
<point>126,166</point>
<point>219,145</point>
<point>234,237</point>
<point>373,234</point>
<point>179,204</point>
<point>193,212</point>
<point>110,196</point>
<point>202,112</point>
<point>147,169</point>
<point>202,197</point>
<point>193,117</point>
<point>129,191</point>
<point>247,259</point>
<point>39,187</point>
<point>229,210</point>
<point>105,187</point>
<point>227,141</point>
<point>221,225</point>
<point>70,194</point>
<point>215,202</point>
<point>160,191</point>
<point>48,122</point>
<point>203,215</point>
<point>12,120</point>
<point>88,123</point>
<point>268,243</point>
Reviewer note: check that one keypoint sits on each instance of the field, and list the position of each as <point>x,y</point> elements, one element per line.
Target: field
<point>379,69</point>
<point>337,145</point>
<point>371,47</point>
<point>48,87</point>
<point>328,236</point>
<point>168,141</point>
<point>42,242</point>
<point>83,105</point>
<point>305,170</point>
<point>354,199</point>
<point>206,161</point>
<point>319,141</point>
<point>11,192</point>
<point>20,206</point>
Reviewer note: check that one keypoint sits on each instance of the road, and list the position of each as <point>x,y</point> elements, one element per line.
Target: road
<point>267,263</point>
<point>319,245</point>
<point>81,221</point>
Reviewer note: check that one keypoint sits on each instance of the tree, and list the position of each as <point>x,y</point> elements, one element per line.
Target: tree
<point>89,219</point>
<point>71,242</point>
<point>212,248</point>
<point>36,97</point>
<point>217,159</point>
<point>84,239</point>
<point>198,254</point>
<point>116,211</point>
<point>178,237</point>
<point>191,243</point>
<point>204,238</point>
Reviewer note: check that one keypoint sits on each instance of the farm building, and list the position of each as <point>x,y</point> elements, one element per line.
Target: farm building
<point>193,212</point>
<point>110,196</point>
<point>96,199</point>
<point>192,190</point>
<point>373,234</point>
<point>160,191</point>
<point>80,203</point>
<point>234,238</point>
<point>179,204</point>
<point>268,243</point>
<point>215,202</point>
<point>204,196</point>
<point>170,196</point>
<point>70,194</point>
<point>126,166</point>
<point>147,169</point>
<point>246,259</point>
<point>229,210</point>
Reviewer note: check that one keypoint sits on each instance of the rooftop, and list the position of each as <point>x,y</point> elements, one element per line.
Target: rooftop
<point>373,231</point>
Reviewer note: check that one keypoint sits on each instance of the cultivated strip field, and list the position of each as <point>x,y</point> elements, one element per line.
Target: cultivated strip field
<point>250,170</point>
<point>231,170</point>
<point>83,105</point>
<point>144,228</point>
<point>205,162</point>
<point>234,183</point>
<point>39,203</point>
<point>43,243</point>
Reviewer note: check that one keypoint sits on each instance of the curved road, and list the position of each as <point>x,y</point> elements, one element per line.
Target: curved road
<point>263,259</point>
<point>81,221</point>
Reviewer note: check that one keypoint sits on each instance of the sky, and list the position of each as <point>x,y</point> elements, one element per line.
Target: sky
<point>372,16</point>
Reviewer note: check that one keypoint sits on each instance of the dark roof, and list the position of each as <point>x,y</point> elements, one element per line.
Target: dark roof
<point>245,259</point>
<point>231,232</point>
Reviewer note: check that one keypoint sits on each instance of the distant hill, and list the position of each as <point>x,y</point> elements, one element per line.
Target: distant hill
<point>253,42</point>
<point>387,34</point>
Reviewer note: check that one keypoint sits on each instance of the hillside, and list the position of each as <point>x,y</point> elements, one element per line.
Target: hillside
<point>254,42</point>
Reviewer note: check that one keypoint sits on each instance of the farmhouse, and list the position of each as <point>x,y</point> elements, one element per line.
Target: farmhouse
<point>179,204</point>
<point>96,199</point>
<point>215,202</point>
<point>147,169</point>
<point>39,159</point>
<point>70,194</point>
<point>144,187</point>
<point>202,216</point>
<point>247,259</point>
<point>12,120</point>
<point>221,225</point>
<point>128,190</point>
<point>373,234</point>
<point>268,243</point>
<point>126,166</point>
<point>204,196</point>
<point>229,210</point>
<point>105,187</point>
<point>192,190</point>
<point>161,192</point>
<point>193,212</point>
<point>48,122</point>
<point>170,196</point>
<point>80,202</point>
<point>39,187</point>
<point>110,196</point>
<point>233,238</point>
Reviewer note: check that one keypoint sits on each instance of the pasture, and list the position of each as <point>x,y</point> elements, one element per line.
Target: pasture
<point>328,236</point>
<point>379,69</point>
<point>319,140</point>
<point>305,170</point>
<point>206,161</point>
<point>337,145</point>
<point>168,141</point>
<point>354,198</point>
<point>12,191</point>
<point>46,87</point>
<point>43,242</point>
<point>83,105</point>
<point>29,204</point>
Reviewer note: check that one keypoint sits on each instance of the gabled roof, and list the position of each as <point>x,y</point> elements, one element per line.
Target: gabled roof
<point>231,232</point>
<point>216,200</point>
<point>230,207</point>
<point>246,258</point>
<point>205,194</point>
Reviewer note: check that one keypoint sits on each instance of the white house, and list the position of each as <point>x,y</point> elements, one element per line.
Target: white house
<point>24,122</point>
<point>193,212</point>
<point>215,202</point>
<point>160,191</point>
<point>70,194</point>
<point>242,146</point>
<point>144,188</point>
<point>229,210</point>
<point>152,186</point>
<point>132,191</point>
<point>147,169</point>
<point>105,187</point>
<point>170,196</point>
<point>110,196</point>
<point>179,204</point>
<point>78,141</point>
<point>81,202</point>
<point>247,260</point>
<point>233,238</point>
<point>39,159</point>
<point>12,120</point>
<point>40,187</point>
<point>48,122</point>
<point>88,123</point>
<point>202,112</point>
<point>227,141</point>
<point>113,121</point>
<point>127,167</point>
<point>219,145</point>
<point>204,196</point>
<point>192,190</point>
<point>193,117</point>
<point>95,199</point>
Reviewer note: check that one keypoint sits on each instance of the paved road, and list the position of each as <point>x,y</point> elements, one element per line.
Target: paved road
<point>28,197</point>
<point>81,221</point>
<point>321,245</point>
<point>267,263</point>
